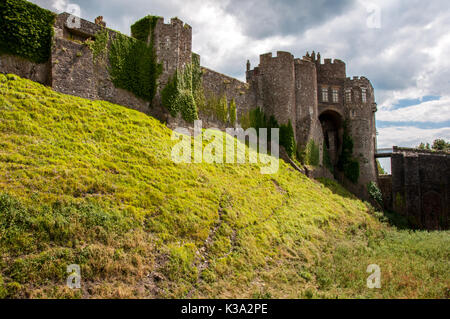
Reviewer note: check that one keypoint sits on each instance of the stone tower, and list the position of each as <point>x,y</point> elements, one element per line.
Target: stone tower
<point>173,44</point>
<point>320,101</point>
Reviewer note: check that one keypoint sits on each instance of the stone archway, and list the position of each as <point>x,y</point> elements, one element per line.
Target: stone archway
<point>333,130</point>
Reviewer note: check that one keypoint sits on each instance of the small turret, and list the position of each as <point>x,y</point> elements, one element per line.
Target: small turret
<point>248,65</point>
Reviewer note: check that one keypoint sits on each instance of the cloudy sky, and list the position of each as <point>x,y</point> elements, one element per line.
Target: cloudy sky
<point>402,46</point>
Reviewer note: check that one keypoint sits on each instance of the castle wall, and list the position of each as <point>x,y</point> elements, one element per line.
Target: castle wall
<point>218,84</point>
<point>307,113</point>
<point>38,72</point>
<point>173,45</point>
<point>420,187</point>
<point>278,84</point>
<point>361,115</point>
<point>74,72</point>
<point>385,185</point>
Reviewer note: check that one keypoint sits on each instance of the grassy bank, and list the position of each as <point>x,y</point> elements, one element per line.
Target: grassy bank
<point>93,184</point>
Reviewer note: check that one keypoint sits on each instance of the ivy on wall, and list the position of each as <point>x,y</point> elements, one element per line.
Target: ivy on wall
<point>134,66</point>
<point>232,112</point>
<point>346,162</point>
<point>26,30</point>
<point>143,28</point>
<point>99,47</point>
<point>312,154</point>
<point>177,96</point>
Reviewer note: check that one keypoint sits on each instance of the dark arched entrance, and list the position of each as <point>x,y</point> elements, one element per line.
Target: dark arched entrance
<point>333,131</point>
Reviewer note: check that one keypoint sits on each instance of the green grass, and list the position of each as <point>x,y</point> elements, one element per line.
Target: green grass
<point>93,183</point>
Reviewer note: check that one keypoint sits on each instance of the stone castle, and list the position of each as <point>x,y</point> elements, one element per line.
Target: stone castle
<point>316,96</point>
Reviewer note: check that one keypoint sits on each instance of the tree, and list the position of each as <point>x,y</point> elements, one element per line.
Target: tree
<point>381,170</point>
<point>438,145</point>
<point>441,145</point>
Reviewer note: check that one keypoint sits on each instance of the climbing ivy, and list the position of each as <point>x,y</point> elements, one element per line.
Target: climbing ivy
<point>232,112</point>
<point>99,46</point>
<point>134,66</point>
<point>26,30</point>
<point>177,95</point>
<point>143,28</point>
<point>346,162</point>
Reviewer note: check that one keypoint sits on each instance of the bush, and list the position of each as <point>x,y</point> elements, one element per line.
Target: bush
<point>287,138</point>
<point>375,193</point>
<point>347,164</point>
<point>26,30</point>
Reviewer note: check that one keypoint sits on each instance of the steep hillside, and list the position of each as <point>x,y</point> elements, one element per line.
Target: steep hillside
<point>93,184</point>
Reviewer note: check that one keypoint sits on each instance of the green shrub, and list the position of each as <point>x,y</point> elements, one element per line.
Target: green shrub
<point>346,162</point>
<point>287,138</point>
<point>312,156</point>
<point>26,30</point>
<point>327,160</point>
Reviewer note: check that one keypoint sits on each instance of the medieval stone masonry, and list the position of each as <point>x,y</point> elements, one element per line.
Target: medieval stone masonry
<point>316,96</point>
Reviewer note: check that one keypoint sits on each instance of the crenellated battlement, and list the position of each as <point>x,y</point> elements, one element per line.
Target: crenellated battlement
<point>308,92</point>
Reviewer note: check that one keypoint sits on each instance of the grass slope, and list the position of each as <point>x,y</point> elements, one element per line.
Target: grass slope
<point>93,183</point>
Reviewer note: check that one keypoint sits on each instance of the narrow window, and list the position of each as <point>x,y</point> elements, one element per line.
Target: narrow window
<point>335,96</point>
<point>348,96</point>
<point>324,94</point>
<point>364,95</point>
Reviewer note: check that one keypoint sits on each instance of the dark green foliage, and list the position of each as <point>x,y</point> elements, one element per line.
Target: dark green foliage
<point>327,160</point>
<point>347,163</point>
<point>441,145</point>
<point>257,119</point>
<point>438,145</point>
<point>375,193</point>
<point>143,28</point>
<point>26,30</point>
<point>177,95</point>
<point>312,154</point>
<point>287,138</point>
<point>134,66</point>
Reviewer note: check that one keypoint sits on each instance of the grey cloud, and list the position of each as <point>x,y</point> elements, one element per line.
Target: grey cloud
<point>263,18</point>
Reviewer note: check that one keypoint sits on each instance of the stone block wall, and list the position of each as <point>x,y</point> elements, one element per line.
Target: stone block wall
<point>420,187</point>
<point>173,45</point>
<point>277,86</point>
<point>38,72</point>
<point>307,113</point>
<point>217,84</point>
<point>74,72</point>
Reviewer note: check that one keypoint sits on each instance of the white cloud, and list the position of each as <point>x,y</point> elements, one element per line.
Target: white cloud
<point>409,136</point>
<point>427,112</point>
